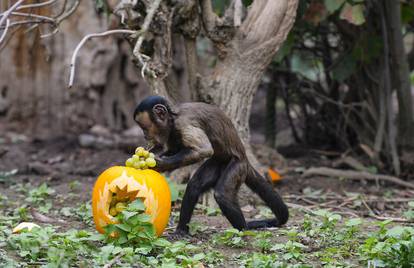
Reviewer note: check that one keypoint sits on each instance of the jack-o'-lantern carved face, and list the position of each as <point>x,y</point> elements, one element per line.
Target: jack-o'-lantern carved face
<point>127,184</point>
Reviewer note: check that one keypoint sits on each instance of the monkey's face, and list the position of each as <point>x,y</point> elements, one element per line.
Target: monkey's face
<point>155,129</point>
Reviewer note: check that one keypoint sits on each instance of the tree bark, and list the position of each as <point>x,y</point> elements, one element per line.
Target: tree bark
<point>270,134</point>
<point>401,74</point>
<point>235,79</point>
<point>244,51</point>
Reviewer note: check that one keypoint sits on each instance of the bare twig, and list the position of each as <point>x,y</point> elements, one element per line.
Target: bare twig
<point>311,210</point>
<point>43,218</point>
<point>61,17</point>
<point>372,214</point>
<point>350,162</point>
<point>31,15</point>
<point>35,20</point>
<point>3,35</point>
<point>355,175</point>
<point>7,13</point>
<point>86,38</point>
<point>42,4</point>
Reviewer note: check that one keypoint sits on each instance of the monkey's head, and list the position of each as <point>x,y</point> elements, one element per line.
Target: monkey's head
<point>154,115</point>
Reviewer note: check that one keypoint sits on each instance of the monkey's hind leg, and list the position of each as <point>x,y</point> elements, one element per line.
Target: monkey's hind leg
<point>225,193</point>
<point>203,179</point>
<point>264,189</point>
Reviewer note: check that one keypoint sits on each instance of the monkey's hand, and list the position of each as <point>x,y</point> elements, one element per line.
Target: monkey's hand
<point>161,165</point>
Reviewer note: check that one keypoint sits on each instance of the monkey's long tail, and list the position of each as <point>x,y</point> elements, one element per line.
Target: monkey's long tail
<point>264,189</point>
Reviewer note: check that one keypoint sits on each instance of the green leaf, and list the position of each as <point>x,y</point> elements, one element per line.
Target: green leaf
<point>199,256</point>
<point>96,237</point>
<point>333,5</point>
<point>305,65</point>
<point>407,13</point>
<point>136,205</point>
<point>128,214</point>
<point>161,242</point>
<point>396,231</point>
<point>173,189</point>
<point>286,48</point>
<point>354,14</point>
<point>278,247</point>
<point>122,239</point>
<point>354,222</point>
<point>143,249</point>
<point>344,69</point>
<point>142,218</point>
<point>123,227</point>
<point>247,2</point>
<point>321,212</point>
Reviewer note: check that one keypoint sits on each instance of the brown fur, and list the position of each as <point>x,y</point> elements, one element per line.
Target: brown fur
<point>192,132</point>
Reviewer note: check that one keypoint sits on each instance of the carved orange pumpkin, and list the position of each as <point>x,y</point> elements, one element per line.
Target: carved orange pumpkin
<point>130,183</point>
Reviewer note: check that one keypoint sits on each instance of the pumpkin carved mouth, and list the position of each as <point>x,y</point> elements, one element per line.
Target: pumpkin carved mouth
<point>127,188</point>
<point>125,184</point>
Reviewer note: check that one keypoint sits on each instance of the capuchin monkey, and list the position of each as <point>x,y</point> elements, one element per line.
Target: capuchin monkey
<point>191,132</point>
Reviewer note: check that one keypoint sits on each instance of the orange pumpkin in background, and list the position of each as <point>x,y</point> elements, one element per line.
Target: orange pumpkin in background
<point>129,184</point>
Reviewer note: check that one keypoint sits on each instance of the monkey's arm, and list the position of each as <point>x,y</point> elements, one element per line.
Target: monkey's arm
<point>196,147</point>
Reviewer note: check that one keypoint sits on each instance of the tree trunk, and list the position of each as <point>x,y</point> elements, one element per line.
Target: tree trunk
<point>270,134</point>
<point>235,78</point>
<point>401,74</point>
<point>244,51</point>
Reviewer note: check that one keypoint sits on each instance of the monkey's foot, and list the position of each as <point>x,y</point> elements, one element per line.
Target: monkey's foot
<point>179,234</point>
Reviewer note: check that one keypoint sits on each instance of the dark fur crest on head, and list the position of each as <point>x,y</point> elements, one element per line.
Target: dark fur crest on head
<point>149,102</point>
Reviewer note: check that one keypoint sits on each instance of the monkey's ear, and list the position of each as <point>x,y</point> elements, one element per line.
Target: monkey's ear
<point>160,111</point>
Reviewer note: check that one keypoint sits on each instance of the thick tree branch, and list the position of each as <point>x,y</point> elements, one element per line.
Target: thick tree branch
<point>192,66</point>
<point>210,18</point>
<point>267,24</point>
<point>238,12</point>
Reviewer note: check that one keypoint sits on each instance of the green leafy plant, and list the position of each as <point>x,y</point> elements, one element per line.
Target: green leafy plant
<point>134,229</point>
<point>409,214</point>
<point>38,196</point>
<point>196,227</point>
<point>6,175</point>
<point>233,238</point>
<point>392,247</point>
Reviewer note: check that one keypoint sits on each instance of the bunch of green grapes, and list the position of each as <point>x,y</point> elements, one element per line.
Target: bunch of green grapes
<point>142,159</point>
<point>117,205</point>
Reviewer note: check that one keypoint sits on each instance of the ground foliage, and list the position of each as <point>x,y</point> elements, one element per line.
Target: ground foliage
<point>318,238</point>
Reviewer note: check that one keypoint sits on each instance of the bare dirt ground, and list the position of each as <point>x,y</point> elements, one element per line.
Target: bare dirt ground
<point>71,171</point>
<point>60,162</point>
